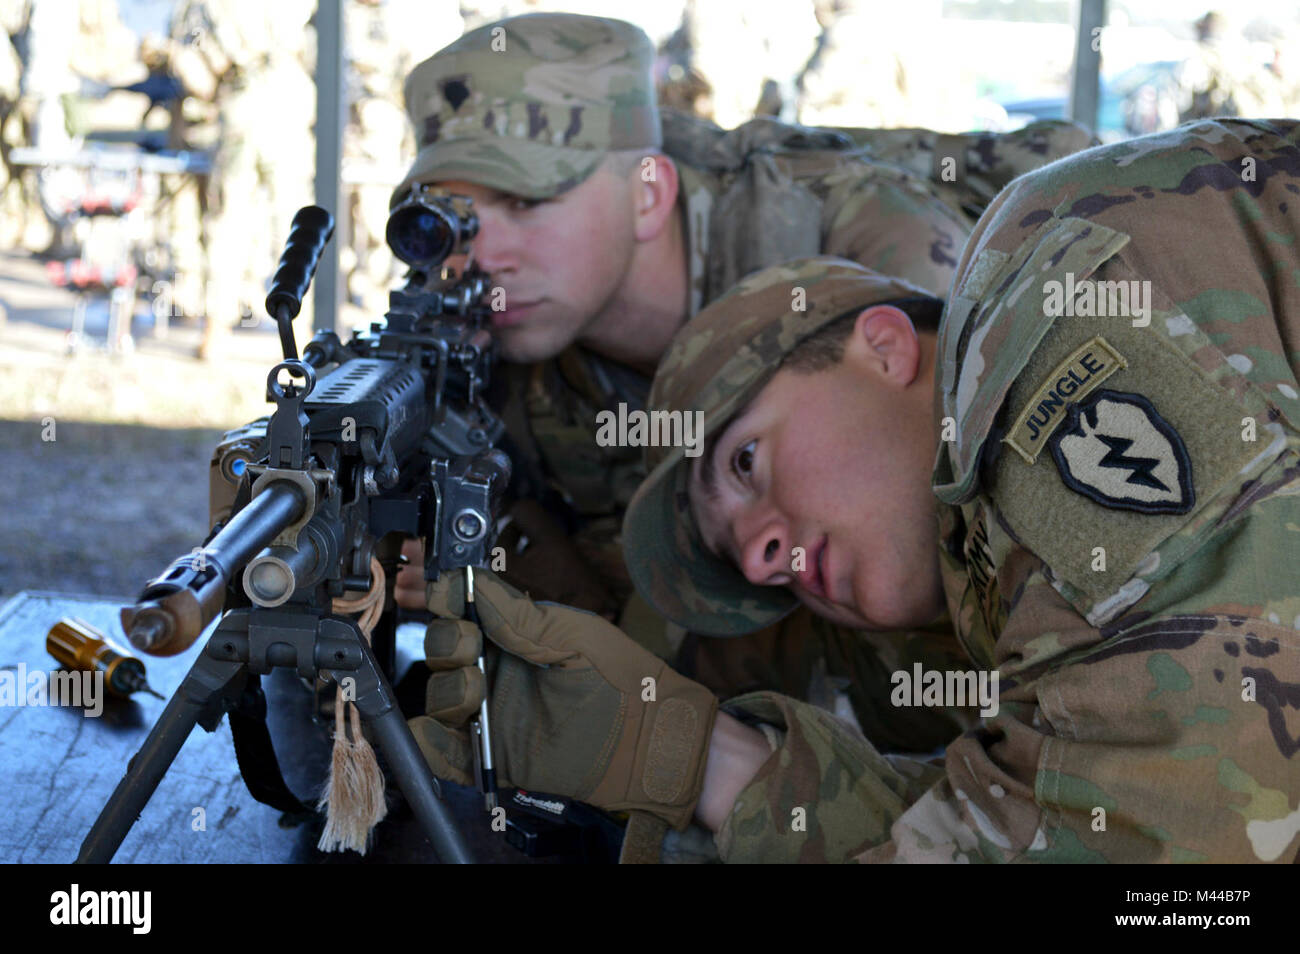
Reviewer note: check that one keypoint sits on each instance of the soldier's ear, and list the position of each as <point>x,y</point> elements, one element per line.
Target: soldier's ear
<point>655,186</point>
<point>885,342</point>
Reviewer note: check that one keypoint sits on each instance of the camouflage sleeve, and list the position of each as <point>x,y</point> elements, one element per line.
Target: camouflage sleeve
<point>824,795</point>
<point>1169,738</point>
<point>893,222</point>
<point>1166,739</point>
<point>844,671</point>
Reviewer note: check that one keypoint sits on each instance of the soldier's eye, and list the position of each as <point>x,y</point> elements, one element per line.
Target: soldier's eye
<point>742,461</point>
<point>520,204</point>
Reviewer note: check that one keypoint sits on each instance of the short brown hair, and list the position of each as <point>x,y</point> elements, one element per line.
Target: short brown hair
<point>825,348</point>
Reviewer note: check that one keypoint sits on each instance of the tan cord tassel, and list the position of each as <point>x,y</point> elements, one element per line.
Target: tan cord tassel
<point>354,794</point>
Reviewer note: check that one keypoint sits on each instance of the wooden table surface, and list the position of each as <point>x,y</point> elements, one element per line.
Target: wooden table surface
<point>60,766</point>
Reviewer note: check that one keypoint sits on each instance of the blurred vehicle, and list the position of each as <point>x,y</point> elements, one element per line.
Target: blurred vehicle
<point>1139,100</point>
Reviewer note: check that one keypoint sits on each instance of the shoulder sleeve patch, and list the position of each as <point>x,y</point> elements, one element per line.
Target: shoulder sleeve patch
<point>1139,473</point>
<point>1117,450</point>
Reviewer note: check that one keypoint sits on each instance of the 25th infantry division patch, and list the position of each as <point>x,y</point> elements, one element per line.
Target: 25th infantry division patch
<point>1116,449</point>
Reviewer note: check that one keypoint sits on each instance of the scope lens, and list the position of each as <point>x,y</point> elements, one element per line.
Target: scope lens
<point>419,235</point>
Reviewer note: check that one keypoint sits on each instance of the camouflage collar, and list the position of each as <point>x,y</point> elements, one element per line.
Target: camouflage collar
<point>695,199</point>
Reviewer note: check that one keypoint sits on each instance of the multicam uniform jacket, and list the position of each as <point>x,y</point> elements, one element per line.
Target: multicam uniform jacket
<point>1120,515</point>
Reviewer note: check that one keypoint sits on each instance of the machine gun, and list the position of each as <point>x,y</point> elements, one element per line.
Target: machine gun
<point>371,441</point>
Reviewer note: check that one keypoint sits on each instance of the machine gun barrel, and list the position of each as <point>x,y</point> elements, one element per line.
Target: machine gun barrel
<point>176,606</point>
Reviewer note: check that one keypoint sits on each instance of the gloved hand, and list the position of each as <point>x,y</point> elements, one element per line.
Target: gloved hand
<point>570,709</point>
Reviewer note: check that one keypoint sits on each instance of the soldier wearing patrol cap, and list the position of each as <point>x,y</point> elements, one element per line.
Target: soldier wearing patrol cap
<point>607,222</point>
<point>241,56</point>
<point>1108,522</point>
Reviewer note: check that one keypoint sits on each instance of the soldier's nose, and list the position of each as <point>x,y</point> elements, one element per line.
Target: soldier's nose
<point>762,557</point>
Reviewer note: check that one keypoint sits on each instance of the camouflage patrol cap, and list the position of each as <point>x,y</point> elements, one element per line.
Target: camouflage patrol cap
<point>719,362</point>
<point>532,104</point>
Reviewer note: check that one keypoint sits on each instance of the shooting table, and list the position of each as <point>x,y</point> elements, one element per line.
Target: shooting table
<point>60,767</point>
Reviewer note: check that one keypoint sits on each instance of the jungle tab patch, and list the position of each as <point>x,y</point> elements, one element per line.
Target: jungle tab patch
<point>1082,371</point>
<point>1117,450</point>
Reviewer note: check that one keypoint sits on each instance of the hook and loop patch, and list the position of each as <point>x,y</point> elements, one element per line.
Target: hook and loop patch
<point>1116,449</point>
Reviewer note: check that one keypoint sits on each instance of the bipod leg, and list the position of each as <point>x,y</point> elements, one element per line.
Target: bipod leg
<point>208,679</point>
<point>375,699</point>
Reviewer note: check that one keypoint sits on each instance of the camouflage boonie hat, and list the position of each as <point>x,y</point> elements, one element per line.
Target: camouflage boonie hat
<point>719,362</point>
<point>531,105</point>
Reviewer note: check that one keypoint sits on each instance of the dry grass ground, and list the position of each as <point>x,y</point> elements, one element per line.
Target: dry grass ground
<point>121,489</point>
<point>102,507</point>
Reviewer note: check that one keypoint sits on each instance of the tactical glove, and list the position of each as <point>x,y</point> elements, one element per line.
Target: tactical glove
<point>576,707</point>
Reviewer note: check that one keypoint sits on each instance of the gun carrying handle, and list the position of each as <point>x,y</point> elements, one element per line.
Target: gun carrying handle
<point>311,230</point>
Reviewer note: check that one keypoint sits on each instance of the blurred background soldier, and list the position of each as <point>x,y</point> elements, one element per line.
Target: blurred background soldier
<point>66,50</point>
<point>1223,76</point>
<point>48,81</point>
<point>740,47</point>
<point>849,82</point>
<point>164,90</point>
<point>187,212</point>
<point>253,61</point>
<point>11,125</point>
<point>379,39</point>
<point>680,84</point>
<point>873,65</point>
<point>44,45</point>
<point>1282,67</point>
